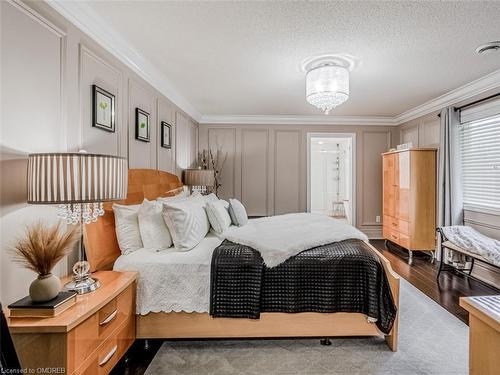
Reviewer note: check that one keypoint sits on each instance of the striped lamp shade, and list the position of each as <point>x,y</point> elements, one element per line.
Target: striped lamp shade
<point>199,177</point>
<point>64,178</point>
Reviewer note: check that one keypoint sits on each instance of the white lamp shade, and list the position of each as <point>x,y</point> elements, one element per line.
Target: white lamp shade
<point>327,86</point>
<point>62,178</point>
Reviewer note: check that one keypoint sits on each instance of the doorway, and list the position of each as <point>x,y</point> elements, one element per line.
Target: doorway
<point>331,175</point>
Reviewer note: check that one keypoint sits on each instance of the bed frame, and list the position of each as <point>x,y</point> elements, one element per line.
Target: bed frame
<point>102,250</point>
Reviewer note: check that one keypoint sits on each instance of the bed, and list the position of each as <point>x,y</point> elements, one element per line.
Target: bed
<point>193,321</point>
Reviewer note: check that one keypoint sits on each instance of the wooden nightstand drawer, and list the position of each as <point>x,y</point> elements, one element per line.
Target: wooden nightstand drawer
<point>109,352</point>
<point>116,311</point>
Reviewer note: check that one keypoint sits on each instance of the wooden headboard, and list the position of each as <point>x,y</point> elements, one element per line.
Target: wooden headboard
<point>101,246</point>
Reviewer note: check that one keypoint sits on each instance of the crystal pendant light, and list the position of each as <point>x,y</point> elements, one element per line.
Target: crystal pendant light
<point>327,86</point>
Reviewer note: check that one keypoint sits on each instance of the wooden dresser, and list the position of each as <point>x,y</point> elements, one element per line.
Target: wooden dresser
<point>89,337</point>
<point>484,334</point>
<point>409,198</point>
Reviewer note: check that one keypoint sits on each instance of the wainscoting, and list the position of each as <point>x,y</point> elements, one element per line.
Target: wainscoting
<point>266,166</point>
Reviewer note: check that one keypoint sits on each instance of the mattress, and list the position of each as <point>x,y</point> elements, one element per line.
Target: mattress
<point>171,280</point>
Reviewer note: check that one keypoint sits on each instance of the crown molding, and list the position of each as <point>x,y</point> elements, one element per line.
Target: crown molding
<point>89,22</point>
<point>298,120</point>
<point>83,17</point>
<point>488,82</point>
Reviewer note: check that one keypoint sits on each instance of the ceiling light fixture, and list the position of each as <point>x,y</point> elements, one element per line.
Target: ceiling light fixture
<point>488,47</point>
<point>327,80</point>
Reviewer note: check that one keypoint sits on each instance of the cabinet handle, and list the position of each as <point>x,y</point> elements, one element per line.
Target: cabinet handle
<point>395,237</point>
<point>109,318</point>
<point>394,224</point>
<point>108,356</point>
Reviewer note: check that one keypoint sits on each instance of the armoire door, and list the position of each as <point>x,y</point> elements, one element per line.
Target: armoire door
<point>403,182</point>
<point>389,194</point>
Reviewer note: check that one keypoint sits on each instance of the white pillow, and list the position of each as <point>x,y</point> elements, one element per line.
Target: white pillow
<point>237,212</point>
<point>187,222</point>
<point>218,215</point>
<point>211,197</point>
<point>154,231</point>
<point>127,227</point>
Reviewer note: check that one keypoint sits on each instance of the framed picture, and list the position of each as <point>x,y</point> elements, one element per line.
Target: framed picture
<point>166,135</point>
<point>141,125</point>
<point>103,109</point>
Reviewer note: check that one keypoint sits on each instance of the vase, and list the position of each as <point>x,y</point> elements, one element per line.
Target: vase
<point>45,287</point>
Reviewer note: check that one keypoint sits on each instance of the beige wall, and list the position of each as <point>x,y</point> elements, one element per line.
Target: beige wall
<point>424,132</point>
<point>267,166</point>
<point>47,70</point>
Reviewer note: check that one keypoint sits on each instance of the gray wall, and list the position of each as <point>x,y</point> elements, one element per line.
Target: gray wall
<point>267,166</point>
<point>47,69</point>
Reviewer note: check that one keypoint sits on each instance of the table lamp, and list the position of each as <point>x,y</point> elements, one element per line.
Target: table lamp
<point>199,179</point>
<point>78,183</point>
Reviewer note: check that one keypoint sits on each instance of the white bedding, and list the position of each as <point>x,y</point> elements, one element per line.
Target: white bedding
<point>171,280</point>
<point>174,281</point>
<point>278,238</point>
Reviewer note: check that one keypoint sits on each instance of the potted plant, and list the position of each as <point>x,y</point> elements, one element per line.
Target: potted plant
<point>40,250</point>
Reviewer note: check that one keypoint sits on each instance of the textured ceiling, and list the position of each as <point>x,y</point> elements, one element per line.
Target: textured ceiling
<point>243,58</point>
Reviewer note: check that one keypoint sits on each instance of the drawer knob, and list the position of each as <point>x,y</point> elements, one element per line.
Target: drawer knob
<point>108,356</point>
<point>109,318</point>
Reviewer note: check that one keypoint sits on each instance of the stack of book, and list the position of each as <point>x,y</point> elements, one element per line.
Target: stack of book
<point>26,308</point>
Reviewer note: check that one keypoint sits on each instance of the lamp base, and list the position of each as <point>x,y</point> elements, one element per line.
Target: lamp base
<point>83,286</point>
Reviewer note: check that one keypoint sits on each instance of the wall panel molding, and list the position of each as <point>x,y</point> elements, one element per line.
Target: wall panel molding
<point>370,221</point>
<point>263,182</point>
<point>231,157</point>
<point>289,206</point>
<point>61,34</point>
<point>85,101</point>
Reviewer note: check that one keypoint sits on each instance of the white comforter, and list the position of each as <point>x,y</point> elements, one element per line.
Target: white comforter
<point>278,238</point>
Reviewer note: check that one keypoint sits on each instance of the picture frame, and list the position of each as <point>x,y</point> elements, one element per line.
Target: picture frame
<point>166,135</point>
<point>141,125</point>
<point>103,109</point>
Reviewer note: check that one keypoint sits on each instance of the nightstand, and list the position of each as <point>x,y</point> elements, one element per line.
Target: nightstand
<point>484,333</point>
<point>89,337</point>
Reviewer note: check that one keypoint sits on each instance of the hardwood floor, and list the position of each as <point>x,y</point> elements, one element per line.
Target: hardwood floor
<point>422,274</point>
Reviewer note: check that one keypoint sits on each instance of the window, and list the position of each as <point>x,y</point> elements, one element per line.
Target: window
<point>480,153</point>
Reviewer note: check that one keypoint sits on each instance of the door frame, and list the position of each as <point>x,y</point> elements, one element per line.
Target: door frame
<point>352,136</point>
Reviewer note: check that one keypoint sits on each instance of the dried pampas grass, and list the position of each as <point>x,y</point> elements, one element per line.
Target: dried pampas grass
<point>44,246</point>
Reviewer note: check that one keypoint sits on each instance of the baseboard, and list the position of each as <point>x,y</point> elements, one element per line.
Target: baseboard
<point>373,233</point>
<point>486,273</point>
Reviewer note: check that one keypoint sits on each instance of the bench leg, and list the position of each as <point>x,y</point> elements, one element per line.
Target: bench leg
<point>441,257</point>
<point>471,266</point>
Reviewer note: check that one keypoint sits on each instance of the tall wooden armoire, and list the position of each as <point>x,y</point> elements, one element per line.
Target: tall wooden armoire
<point>409,201</point>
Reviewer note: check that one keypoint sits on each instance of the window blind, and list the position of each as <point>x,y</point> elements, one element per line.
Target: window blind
<point>480,153</point>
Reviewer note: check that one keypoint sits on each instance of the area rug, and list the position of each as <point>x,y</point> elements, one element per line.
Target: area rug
<point>431,341</point>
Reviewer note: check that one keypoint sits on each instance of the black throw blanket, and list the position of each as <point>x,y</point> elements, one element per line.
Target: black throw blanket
<point>339,277</point>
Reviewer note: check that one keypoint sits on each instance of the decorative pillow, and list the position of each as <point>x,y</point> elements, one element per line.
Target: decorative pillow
<point>127,227</point>
<point>237,212</point>
<point>154,231</point>
<point>218,215</point>
<point>187,222</point>
<point>211,197</point>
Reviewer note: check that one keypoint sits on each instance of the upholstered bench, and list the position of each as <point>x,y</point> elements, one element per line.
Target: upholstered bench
<point>470,252</point>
